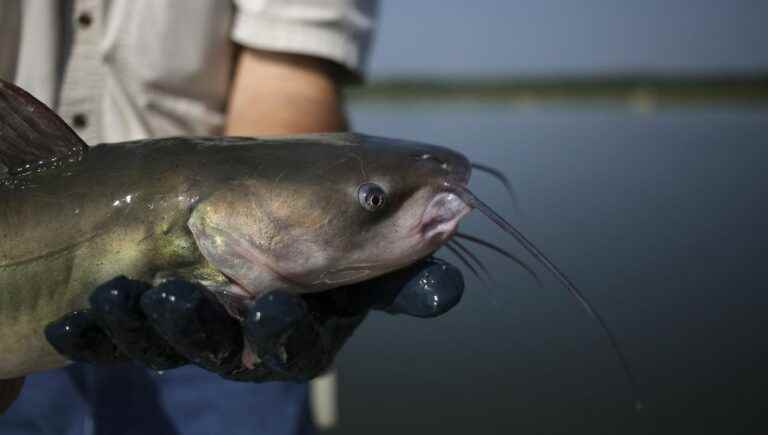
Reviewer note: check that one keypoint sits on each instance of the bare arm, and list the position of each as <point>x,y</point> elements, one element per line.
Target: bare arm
<point>279,93</point>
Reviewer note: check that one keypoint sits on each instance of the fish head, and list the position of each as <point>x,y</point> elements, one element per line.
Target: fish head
<point>331,210</point>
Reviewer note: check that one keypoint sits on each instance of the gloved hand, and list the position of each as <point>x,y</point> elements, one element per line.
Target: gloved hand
<point>279,336</point>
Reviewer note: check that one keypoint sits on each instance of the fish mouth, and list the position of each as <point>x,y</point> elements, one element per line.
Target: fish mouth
<point>441,217</point>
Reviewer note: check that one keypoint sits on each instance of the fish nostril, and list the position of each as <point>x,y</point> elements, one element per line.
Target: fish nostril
<point>433,158</point>
<point>444,164</point>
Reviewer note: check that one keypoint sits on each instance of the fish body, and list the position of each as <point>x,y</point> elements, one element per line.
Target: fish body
<point>241,215</point>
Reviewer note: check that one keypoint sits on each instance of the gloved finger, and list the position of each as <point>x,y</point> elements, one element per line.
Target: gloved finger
<point>431,289</point>
<point>268,321</point>
<point>195,324</point>
<point>294,337</point>
<point>428,288</point>
<point>278,330</point>
<point>78,337</point>
<point>115,306</point>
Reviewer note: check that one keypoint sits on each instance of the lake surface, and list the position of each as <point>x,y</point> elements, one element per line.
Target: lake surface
<point>660,218</point>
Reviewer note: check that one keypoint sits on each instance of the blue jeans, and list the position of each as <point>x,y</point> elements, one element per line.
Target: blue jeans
<point>127,399</point>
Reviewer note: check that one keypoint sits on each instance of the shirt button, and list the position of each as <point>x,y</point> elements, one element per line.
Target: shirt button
<point>80,121</point>
<point>84,20</point>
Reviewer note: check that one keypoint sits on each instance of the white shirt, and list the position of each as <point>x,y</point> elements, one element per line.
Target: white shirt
<point>119,70</point>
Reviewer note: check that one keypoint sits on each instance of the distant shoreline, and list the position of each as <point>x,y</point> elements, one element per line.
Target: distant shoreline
<point>663,88</point>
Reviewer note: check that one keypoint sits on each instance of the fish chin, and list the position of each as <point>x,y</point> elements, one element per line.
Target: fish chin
<point>249,271</point>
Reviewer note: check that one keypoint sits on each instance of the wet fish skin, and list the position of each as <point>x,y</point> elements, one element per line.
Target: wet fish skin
<point>124,208</point>
<point>66,231</point>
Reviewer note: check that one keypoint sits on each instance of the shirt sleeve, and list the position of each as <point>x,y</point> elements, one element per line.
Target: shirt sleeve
<point>336,30</point>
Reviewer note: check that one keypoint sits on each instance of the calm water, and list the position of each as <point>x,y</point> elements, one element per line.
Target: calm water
<point>659,217</point>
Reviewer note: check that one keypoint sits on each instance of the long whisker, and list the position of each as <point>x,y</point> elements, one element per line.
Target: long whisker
<point>473,201</point>
<point>472,257</point>
<point>503,252</point>
<point>465,262</point>
<point>497,174</point>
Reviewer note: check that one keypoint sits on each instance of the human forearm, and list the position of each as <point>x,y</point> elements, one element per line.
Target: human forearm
<point>278,93</point>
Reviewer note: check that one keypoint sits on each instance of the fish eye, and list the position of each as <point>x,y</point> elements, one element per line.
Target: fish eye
<point>371,196</point>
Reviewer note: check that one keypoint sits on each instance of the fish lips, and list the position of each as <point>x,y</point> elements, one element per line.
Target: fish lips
<point>441,217</point>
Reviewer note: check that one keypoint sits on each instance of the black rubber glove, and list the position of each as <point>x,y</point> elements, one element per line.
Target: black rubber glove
<point>290,337</point>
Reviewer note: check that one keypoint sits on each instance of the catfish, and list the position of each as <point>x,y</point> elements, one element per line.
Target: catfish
<point>240,216</point>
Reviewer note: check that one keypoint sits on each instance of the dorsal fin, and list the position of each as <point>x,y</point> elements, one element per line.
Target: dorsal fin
<point>32,135</point>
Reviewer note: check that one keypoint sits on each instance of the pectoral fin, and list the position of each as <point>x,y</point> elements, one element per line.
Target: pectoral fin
<point>32,136</point>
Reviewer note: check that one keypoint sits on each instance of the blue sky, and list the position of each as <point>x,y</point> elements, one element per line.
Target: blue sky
<point>497,37</point>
